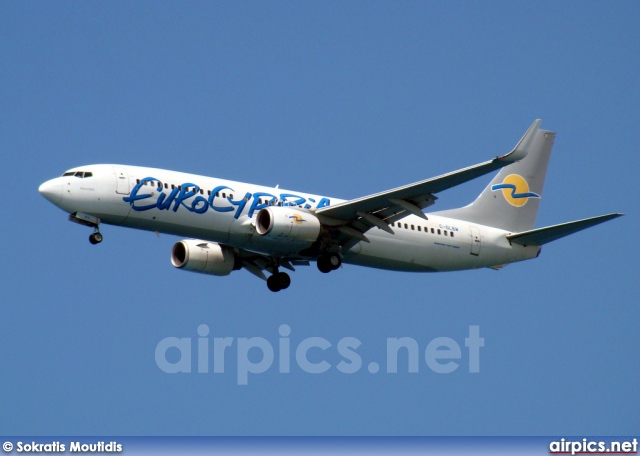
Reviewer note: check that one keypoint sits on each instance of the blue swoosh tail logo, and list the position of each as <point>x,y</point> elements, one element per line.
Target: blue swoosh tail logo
<point>513,191</point>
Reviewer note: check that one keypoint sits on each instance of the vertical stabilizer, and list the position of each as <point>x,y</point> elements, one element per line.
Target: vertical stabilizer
<point>512,199</point>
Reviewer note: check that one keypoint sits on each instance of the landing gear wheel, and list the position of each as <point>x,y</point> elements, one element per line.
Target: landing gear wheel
<point>272,283</point>
<point>330,262</point>
<point>95,238</point>
<point>278,281</point>
<point>323,265</point>
<point>335,261</point>
<point>284,280</point>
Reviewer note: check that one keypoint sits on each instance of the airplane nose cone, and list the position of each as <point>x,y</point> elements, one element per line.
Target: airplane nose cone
<point>52,190</point>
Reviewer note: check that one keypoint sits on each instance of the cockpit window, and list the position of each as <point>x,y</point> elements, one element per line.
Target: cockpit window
<point>80,174</point>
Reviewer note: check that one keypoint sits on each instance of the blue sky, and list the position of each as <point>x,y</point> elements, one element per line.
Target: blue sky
<point>336,98</point>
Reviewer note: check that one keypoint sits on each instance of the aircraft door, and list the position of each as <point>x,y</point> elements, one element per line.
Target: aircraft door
<point>122,180</point>
<point>475,240</point>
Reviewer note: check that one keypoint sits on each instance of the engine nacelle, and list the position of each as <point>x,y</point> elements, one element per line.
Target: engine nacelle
<point>204,257</point>
<point>287,224</point>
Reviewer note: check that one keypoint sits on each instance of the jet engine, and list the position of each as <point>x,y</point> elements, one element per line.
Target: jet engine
<point>287,224</point>
<point>204,257</point>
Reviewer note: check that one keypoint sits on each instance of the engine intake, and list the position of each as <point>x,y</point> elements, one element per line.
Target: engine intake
<point>287,224</point>
<point>204,257</point>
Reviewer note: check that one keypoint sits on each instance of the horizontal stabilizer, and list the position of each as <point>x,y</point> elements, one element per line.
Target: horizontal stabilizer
<point>545,235</point>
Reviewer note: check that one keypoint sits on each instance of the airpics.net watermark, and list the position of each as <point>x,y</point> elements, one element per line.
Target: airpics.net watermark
<point>256,355</point>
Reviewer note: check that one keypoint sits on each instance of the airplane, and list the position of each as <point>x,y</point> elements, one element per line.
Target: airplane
<point>233,225</point>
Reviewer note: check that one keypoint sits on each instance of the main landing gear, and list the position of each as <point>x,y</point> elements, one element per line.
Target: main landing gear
<point>329,262</point>
<point>281,280</point>
<point>278,281</point>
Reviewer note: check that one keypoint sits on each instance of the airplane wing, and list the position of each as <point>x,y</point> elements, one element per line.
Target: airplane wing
<point>353,218</point>
<point>545,235</point>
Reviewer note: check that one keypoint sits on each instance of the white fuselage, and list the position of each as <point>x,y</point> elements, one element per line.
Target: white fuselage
<point>224,211</point>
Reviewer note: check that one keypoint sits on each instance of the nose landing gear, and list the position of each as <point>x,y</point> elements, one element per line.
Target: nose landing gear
<point>95,238</point>
<point>90,221</point>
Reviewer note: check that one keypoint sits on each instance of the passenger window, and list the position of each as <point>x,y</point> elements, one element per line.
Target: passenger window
<point>209,192</point>
<point>419,228</point>
<point>451,233</point>
<point>173,187</point>
<point>218,194</point>
<point>224,195</point>
<point>406,227</point>
<point>439,231</point>
<point>202,191</point>
<point>137,181</point>
<point>432,232</point>
<point>445,233</point>
<point>230,196</point>
<point>413,227</point>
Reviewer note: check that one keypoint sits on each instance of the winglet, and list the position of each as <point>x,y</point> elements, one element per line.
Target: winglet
<point>521,149</point>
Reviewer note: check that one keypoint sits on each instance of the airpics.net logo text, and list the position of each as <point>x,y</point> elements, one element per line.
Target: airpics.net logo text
<point>312,355</point>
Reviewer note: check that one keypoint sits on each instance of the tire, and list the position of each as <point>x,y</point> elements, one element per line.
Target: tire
<point>330,262</point>
<point>283,280</point>
<point>273,283</point>
<point>324,265</point>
